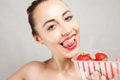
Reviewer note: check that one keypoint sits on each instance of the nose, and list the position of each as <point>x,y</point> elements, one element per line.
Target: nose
<point>66,30</point>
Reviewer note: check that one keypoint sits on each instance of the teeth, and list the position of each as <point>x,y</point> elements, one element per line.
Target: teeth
<point>69,42</point>
<point>73,38</point>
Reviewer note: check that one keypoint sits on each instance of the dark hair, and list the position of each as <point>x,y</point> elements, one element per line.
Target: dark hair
<point>30,11</point>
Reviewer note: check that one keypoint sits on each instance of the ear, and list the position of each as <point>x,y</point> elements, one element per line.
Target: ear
<point>38,39</point>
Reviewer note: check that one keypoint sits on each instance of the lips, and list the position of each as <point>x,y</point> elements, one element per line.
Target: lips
<point>69,43</point>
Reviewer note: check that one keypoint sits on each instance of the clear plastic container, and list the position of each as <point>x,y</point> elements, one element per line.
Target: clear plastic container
<point>111,69</point>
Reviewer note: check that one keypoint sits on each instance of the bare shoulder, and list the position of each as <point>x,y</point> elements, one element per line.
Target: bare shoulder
<point>31,68</point>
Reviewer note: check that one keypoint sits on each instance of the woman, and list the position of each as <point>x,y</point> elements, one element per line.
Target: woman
<point>53,25</point>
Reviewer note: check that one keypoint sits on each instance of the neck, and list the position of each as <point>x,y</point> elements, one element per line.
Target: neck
<point>63,65</point>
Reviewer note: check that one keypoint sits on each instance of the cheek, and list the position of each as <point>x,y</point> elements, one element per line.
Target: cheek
<point>52,37</point>
<point>75,26</point>
<point>74,23</point>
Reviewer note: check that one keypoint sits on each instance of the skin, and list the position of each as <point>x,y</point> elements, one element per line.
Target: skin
<point>60,66</point>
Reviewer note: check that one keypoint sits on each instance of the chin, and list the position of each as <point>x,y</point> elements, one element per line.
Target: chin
<point>72,53</point>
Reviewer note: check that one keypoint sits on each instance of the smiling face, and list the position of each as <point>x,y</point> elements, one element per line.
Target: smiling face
<point>57,28</point>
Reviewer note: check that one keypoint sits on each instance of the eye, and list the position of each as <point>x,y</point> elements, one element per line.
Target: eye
<point>51,27</point>
<point>68,18</point>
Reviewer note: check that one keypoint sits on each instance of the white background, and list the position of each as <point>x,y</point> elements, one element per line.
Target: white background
<point>99,25</point>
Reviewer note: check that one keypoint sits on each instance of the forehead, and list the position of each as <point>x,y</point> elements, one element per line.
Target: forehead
<point>49,10</point>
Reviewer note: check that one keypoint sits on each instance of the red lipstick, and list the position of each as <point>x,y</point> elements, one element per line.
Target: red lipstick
<point>70,42</point>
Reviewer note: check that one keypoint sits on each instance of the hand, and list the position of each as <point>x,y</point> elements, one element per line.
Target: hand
<point>97,76</point>
<point>118,58</point>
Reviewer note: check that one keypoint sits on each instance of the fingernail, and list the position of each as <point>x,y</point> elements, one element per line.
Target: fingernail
<point>103,77</point>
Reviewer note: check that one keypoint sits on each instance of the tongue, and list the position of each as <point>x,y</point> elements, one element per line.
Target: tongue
<point>68,43</point>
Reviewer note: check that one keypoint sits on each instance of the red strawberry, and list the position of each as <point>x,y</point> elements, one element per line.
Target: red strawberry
<point>99,56</point>
<point>84,57</point>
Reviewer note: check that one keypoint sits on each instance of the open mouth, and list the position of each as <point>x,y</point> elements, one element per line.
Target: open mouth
<point>69,43</point>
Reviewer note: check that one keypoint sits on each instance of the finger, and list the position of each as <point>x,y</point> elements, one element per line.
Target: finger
<point>118,58</point>
<point>89,78</point>
<point>95,75</point>
<point>103,77</point>
<point>112,79</point>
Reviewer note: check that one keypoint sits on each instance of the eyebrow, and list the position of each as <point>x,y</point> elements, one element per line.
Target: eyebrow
<point>52,20</point>
<point>66,12</point>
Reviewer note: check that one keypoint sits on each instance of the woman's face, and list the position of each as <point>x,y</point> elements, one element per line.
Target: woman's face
<point>57,28</point>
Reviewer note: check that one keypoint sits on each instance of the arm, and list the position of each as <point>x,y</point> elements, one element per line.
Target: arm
<point>28,71</point>
<point>21,73</point>
<point>17,75</point>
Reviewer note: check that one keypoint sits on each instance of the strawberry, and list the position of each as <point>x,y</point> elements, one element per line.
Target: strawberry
<point>100,56</point>
<point>84,57</point>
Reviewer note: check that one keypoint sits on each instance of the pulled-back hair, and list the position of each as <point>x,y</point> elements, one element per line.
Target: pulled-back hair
<point>30,11</point>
